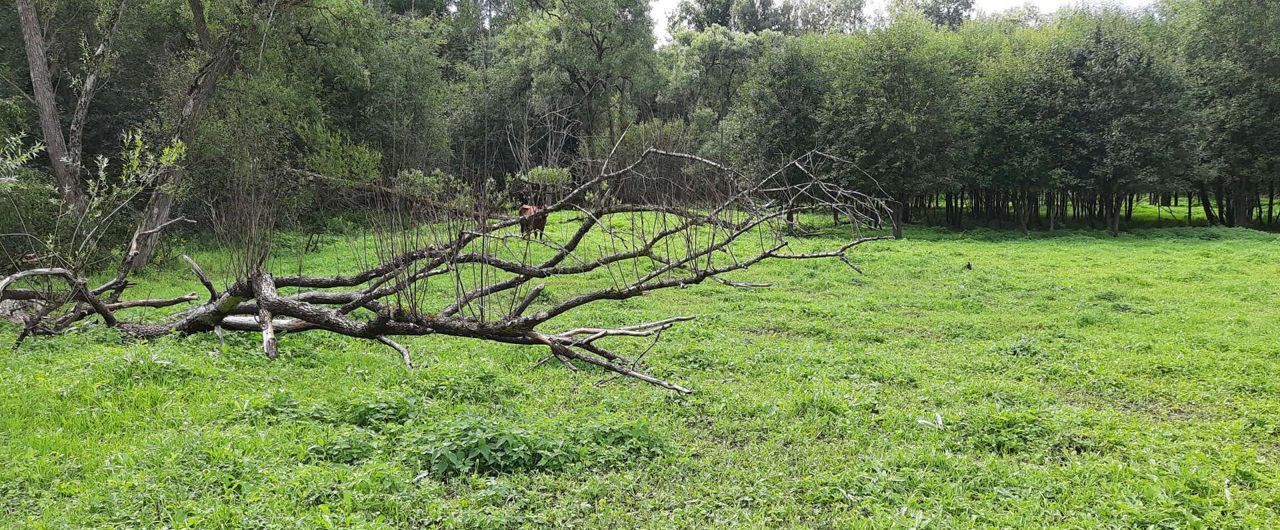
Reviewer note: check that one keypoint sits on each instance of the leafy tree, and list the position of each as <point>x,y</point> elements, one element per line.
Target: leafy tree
<point>574,70</point>
<point>828,16</point>
<point>949,14</point>
<point>792,17</point>
<point>701,15</point>
<point>382,84</point>
<point>777,118</point>
<point>891,111</point>
<point>1122,108</point>
<point>706,69</point>
<point>1016,128</point>
<point>1233,61</point>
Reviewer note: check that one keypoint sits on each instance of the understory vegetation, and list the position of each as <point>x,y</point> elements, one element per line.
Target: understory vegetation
<point>973,378</point>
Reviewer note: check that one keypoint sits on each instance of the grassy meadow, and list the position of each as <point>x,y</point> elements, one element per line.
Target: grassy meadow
<point>1069,379</point>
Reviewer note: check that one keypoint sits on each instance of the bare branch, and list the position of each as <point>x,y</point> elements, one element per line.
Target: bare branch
<point>204,278</point>
<point>404,352</point>
<point>471,263</point>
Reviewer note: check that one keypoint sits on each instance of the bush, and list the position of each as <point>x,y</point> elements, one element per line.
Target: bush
<point>547,176</point>
<point>26,197</point>
<point>280,404</point>
<point>1004,431</point>
<point>483,446</point>
<point>620,442</point>
<point>350,445</point>
<point>1023,347</point>
<point>475,445</point>
<point>464,386</point>
<point>378,409</point>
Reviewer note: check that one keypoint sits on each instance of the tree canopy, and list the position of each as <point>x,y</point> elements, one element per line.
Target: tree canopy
<point>1012,119</point>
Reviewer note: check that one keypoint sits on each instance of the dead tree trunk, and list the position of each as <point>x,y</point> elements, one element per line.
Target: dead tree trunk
<point>222,61</point>
<point>682,236</point>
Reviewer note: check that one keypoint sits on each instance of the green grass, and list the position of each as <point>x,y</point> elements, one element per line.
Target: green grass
<point>1069,379</point>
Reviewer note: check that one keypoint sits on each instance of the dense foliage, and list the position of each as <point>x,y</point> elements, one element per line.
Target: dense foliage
<point>1010,119</point>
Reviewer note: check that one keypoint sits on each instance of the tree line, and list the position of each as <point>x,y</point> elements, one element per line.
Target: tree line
<point>1016,119</point>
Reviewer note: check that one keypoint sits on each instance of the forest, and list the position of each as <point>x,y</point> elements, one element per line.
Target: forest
<point>1015,119</point>
<point>543,263</point>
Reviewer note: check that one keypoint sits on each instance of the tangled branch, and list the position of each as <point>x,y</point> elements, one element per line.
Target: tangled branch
<point>442,269</point>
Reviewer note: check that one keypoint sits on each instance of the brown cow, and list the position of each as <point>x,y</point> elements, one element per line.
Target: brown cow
<point>532,219</point>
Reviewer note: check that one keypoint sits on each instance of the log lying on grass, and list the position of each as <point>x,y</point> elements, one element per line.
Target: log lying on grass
<point>492,286</point>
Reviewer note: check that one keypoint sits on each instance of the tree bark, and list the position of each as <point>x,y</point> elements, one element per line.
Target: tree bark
<point>1190,211</point>
<point>1051,207</point>
<point>89,87</point>
<point>895,217</point>
<point>1024,210</point>
<point>1271,202</point>
<point>1112,212</point>
<point>65,174</point>
<point>1242,204</point>
<point>1206,204</point>
<point>146,237</point>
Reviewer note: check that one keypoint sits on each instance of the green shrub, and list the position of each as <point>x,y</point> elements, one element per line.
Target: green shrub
<point>280,404</point>
<point>818,405</point>
<point>611,443</point>
<point>483,446</point>
<point>25,197</point>
<point>377,409</point>
<point>1003,431</point>
<point>349,445</point>
<point>550,176</point>
<point>468,386</point>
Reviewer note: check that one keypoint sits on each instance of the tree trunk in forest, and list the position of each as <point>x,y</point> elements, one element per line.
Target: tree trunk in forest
<point>1051,208</point>
<point>1271,201</point>
<point>145,238</point>
<point>1224,206</point>
<point>896,217</point>
<point>1034,206</point>
<point>65,174</point>
<point>1242,205</point>
<point>1208,206</point>
<point>948,207</point>
<point>1024,210</point>
<point>65,151</point>
<point>1112,210</point>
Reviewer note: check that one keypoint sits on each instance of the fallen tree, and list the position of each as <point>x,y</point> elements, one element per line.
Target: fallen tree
<point>457,272</point>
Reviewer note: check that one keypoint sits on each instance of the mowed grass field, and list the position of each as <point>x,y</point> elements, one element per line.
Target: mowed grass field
<point>1070,379</point>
